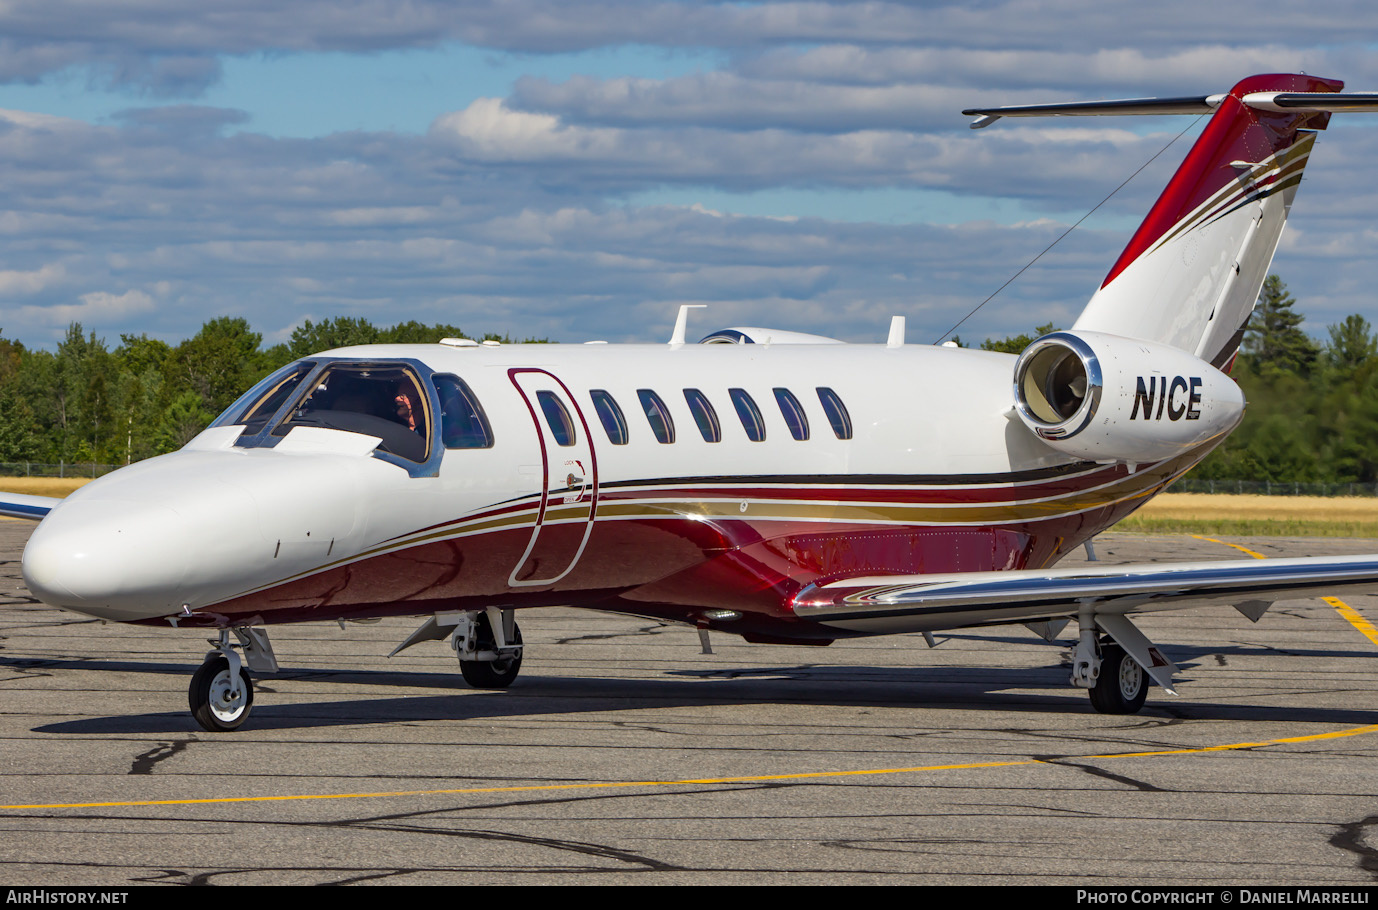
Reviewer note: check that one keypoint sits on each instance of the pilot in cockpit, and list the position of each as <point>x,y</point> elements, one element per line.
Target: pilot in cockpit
<point>404,404</point>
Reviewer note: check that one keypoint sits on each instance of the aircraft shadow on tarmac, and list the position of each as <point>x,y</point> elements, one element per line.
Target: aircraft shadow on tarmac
<point>984,689</point>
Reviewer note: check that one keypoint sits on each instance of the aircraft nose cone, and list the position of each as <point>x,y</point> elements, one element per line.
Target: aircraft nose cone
<point>115,560</point>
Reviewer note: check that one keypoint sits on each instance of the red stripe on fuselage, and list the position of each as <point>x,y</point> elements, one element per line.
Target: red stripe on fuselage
<point>676,566</point>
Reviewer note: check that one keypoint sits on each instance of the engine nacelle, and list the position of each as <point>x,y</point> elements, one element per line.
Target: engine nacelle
<point>1105,398</point>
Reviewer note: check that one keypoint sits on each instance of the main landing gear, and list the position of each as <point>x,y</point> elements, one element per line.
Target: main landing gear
<point>1122,686</point>
<point>1118,669</point>
<point>221,692</point>
<point>1118,685</point>
<point>489,647</point>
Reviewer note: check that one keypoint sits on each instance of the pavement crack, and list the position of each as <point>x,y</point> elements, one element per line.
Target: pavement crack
<point>582,848</point>
<point>897,844</point>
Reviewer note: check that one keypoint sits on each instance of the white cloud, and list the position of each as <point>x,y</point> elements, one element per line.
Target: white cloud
<point>14,283</point>
<point>97,308</point>
<point>510,214</point>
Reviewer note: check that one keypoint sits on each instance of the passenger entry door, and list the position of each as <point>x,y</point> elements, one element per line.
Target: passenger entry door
<point>569,479</point>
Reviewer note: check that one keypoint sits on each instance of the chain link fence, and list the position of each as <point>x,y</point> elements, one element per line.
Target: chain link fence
<point>1273,488</point>
<point>61,469</point>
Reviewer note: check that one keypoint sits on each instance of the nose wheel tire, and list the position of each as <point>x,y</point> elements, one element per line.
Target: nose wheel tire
<point>1122,686</point>
<point>494,674</point>
<point>217,705</point>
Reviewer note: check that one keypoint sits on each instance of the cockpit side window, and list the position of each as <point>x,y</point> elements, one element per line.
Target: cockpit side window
<point>463,424</point>
<point>382,400</point>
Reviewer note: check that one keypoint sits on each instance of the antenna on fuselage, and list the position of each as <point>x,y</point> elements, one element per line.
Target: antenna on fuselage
<point>896,339</point>
<point>682,321</point>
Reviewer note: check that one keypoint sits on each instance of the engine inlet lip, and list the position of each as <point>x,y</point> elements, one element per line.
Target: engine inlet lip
<point>1090,402</point>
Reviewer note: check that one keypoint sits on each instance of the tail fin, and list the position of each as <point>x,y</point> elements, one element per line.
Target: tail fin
<point>1192,272</point>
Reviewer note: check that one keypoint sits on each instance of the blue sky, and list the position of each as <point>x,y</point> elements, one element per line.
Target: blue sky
<point>579,170</point>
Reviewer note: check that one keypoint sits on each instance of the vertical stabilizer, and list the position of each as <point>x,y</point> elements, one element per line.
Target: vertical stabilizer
<point>1191,273</point>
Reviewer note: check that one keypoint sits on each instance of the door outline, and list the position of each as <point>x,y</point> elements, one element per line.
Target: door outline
<point>588,481</point>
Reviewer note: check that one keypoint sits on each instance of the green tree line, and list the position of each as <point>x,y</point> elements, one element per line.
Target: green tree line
<point>89,402</point>
<point>1312,413</point>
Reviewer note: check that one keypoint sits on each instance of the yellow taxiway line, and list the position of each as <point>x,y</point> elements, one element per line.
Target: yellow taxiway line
<point>1351,615</point>
<point>697,781</point>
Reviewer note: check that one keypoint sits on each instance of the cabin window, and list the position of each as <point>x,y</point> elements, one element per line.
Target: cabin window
<point>556,417</point>
<point>610,415</point>
<point>658,415</point>
<point>749,414</point>
<point>793,412</point>
<point>257,406</point>
<point>704,415</point>
<point>838,417</point>
<point>463,425</point>
<point>372,399</point>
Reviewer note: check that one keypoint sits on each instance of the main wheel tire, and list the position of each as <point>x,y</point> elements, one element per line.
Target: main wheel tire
<point>1122,685</point>
<point>212,703</point>
<point>496,674</point>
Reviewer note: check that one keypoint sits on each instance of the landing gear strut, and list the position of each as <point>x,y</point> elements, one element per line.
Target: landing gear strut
<point>221,692</point>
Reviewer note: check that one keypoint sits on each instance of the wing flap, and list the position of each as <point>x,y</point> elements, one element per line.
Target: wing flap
<point>948,601</point>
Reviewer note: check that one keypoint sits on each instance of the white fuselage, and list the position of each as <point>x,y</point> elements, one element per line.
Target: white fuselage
<point>317,526</point>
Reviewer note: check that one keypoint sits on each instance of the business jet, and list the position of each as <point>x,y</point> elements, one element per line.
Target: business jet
<point>783,487</point>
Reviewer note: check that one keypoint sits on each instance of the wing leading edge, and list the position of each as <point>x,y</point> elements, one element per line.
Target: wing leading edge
<point>21,505</point>
<point>930,602</point>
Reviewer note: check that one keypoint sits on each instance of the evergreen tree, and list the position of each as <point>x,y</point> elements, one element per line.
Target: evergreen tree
<point>1352,343</point>
<point>18,428</point>
<point>312,338</point>
<point>1015,344</point>
<point>1273,338</point>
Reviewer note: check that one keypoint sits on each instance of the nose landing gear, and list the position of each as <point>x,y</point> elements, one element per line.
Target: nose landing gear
<point>220,697</point>
<point>221,692</point>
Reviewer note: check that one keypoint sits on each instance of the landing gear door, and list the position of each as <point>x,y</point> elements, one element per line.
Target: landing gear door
<point>569,479</point>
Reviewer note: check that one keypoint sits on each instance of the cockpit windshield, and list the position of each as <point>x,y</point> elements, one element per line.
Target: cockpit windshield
<point>384,400</point>
<point>258,405</point>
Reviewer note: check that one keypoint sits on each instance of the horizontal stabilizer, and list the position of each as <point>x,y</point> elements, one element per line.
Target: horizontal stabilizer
<point>1330,102</point>
<point>1027,595</point>
<point>1196,104</point>
<point>1327,102</point>
<point>20,505</point>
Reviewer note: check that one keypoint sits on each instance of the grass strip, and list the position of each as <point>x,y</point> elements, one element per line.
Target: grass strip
<point>1249,527</point>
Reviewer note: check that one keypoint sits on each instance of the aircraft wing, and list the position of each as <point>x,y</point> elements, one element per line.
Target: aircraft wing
<point>21,505</point>
<point>932,602</point>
